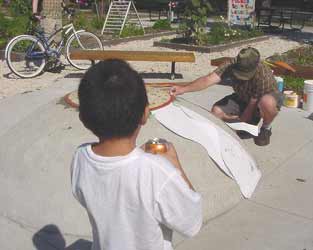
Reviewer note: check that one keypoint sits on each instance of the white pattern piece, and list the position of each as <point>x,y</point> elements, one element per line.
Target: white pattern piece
<point>225,150</point>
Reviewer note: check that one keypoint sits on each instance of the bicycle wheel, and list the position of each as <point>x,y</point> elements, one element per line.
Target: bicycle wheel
<point>82,40</point>
<point>26,56</point>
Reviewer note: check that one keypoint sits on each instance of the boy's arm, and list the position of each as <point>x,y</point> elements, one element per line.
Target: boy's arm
<point>178,206</point>
<point>171,155</point>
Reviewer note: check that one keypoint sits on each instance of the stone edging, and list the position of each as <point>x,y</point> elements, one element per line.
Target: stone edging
<point>209,49</point>
<point>136,38</point>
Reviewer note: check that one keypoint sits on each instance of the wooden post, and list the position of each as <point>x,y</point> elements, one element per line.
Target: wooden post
<point>52,10</point>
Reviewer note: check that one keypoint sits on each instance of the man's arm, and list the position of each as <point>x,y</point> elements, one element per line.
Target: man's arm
<point>249,111</point>
<point>197,85</point>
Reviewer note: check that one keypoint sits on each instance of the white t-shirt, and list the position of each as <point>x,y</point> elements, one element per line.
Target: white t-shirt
<point>134,201</point>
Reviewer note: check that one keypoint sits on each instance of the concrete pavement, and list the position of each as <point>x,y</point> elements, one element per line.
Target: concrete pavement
<point>37,210</point>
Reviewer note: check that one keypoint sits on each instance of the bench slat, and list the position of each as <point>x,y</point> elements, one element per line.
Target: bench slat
<point>156,56</point>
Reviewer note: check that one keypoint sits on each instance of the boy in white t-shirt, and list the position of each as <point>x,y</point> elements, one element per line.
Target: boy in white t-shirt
<point>133,199</point>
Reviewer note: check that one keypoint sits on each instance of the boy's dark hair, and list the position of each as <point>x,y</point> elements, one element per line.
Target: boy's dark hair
<point>112,99</point>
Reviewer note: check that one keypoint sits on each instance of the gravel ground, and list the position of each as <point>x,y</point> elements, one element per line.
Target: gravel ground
<point>11,85</point>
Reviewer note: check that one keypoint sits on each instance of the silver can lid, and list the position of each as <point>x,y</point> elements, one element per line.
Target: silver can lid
<point>157,141</point>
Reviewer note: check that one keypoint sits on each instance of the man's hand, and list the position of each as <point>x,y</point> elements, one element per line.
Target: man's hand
<point>197,85</point>
<point>177,90</point>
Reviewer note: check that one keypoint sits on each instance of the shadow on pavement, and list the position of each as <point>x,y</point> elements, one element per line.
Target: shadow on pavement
<point>159,75</point>
<point>148,75</point>
<point>74,75</point>
<point>50,238</point>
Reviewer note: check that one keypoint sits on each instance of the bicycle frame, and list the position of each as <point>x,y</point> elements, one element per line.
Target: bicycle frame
<point>68,29</point>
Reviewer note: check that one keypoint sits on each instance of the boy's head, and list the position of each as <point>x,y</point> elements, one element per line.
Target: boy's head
<point>112,99</point>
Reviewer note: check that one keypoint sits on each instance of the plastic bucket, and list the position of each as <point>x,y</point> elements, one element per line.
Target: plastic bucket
<point>280,83</point>
<point>291,99</point>
<point>308,95</point>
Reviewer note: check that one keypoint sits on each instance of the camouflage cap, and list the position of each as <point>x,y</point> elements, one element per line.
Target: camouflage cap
<point>246,63</point>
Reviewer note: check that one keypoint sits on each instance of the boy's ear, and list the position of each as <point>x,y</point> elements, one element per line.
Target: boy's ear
<point>145,115</point>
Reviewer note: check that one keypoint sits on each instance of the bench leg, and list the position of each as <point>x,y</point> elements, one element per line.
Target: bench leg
<point>173,71</point>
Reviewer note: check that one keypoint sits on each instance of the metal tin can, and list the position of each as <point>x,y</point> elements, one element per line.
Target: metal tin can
<point>156,146</point>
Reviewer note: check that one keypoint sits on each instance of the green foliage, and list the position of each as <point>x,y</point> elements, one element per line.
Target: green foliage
<point>294,83</point>
<point>301,56</point>
<point>80,21</point>
<point>162,25</point>
<point>20,7</point>
<point>3,42</point>
<point>96,23</point>
<point>195,17</point>
<point>222,33</point>
<point>132,30</point>
<point>17,23</point>
<point>11,27</point>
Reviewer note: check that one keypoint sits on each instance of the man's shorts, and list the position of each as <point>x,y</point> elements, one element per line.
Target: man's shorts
<point>232,105</point>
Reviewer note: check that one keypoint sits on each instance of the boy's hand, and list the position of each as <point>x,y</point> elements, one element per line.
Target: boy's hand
<point>171,155</point>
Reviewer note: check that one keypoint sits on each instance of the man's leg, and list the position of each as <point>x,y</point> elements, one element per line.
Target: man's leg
<point>227,109</point>
<point>219,113</point>
<point>35,6</point>
<point>268,109</point>
<point>269,106</point>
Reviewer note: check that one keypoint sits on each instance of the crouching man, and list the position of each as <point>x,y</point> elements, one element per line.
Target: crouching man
<point>255,92</point>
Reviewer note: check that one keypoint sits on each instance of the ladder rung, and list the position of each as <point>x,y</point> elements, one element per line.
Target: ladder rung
<point>119,9</point>
<point>113,26</point>
<point>114,21</point>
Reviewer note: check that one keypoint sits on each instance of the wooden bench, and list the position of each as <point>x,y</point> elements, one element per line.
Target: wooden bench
<point>152,56</point>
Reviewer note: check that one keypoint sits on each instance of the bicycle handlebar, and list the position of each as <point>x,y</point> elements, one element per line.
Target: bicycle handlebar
<point>68,10</point>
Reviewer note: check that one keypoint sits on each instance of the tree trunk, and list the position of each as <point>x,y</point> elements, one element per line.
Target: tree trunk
<point>52,10</point>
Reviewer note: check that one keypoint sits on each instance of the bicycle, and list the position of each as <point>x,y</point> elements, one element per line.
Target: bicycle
<point>27,55</point>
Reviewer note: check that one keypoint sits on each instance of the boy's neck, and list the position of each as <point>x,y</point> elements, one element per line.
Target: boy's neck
<point>115,146</point>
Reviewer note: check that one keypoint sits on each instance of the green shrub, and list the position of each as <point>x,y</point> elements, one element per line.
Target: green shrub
<point>80,21</point>
<point>3,42</point>
<point>96,23</point>
<point>162,25</point>
<point>20,7</point>
<point>294,83</point>
<point>11,27</point>
<point>132,30</point>
<point>222,33</point>
<point>195,17</point>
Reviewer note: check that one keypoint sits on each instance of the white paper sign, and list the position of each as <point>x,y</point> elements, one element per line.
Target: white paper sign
<point>240,12</point>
